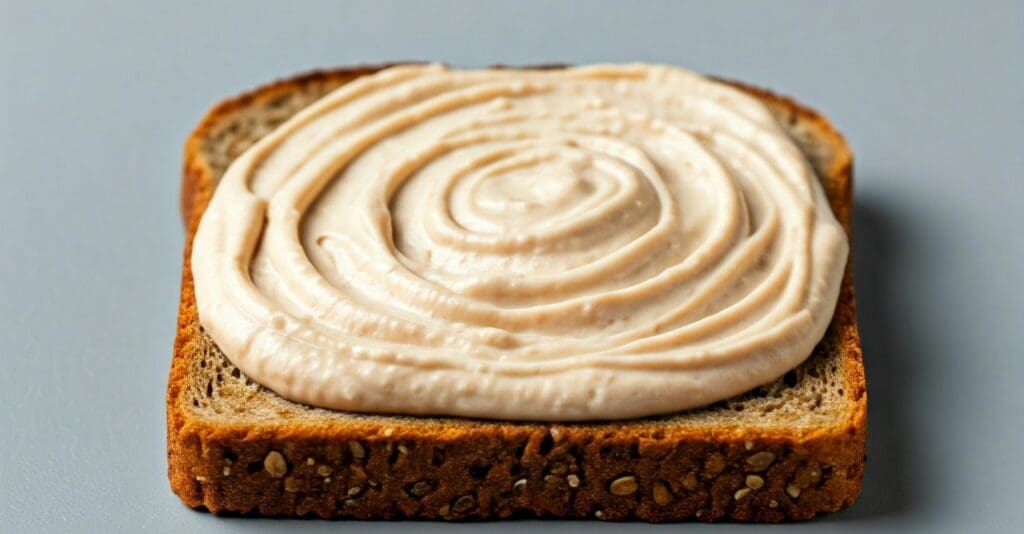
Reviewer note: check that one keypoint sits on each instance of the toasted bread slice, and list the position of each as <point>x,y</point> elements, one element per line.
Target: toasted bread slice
<point>785,451</point>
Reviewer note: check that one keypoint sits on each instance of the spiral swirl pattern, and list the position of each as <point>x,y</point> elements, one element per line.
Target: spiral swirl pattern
<point>589,243</point>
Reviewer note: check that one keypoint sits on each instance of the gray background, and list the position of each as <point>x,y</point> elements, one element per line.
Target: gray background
<point>97,99</point>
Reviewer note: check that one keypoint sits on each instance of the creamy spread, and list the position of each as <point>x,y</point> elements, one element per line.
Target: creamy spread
<point>599,242</point>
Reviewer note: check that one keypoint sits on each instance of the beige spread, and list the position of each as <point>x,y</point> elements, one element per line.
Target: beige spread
<point>600,242</point>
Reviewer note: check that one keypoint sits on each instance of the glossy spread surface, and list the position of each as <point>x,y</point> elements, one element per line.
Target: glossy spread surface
<point>588,243</point>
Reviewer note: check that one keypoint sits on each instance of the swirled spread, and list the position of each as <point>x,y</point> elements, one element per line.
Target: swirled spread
<point>599,242</point>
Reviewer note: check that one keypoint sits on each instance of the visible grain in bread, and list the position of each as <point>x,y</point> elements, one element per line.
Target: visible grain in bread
<point>787,450</point>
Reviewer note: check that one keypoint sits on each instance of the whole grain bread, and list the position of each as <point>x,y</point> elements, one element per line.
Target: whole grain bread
<point>785,451</point>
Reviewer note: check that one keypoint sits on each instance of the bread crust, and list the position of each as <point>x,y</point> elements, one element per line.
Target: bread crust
<point>454,469</point>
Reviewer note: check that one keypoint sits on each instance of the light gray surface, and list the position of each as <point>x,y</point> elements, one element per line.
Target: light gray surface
<point>97,99</point>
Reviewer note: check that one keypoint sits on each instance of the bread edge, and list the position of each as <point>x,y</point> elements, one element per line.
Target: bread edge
<point>200,450</point>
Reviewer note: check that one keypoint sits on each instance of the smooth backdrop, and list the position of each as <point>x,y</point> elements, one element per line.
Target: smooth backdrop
<point>96,99</point>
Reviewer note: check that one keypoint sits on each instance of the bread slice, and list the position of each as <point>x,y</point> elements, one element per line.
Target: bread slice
<point>785,451</point>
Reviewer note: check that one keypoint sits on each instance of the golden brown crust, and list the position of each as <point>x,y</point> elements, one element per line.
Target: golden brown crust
<point>382,467</point>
